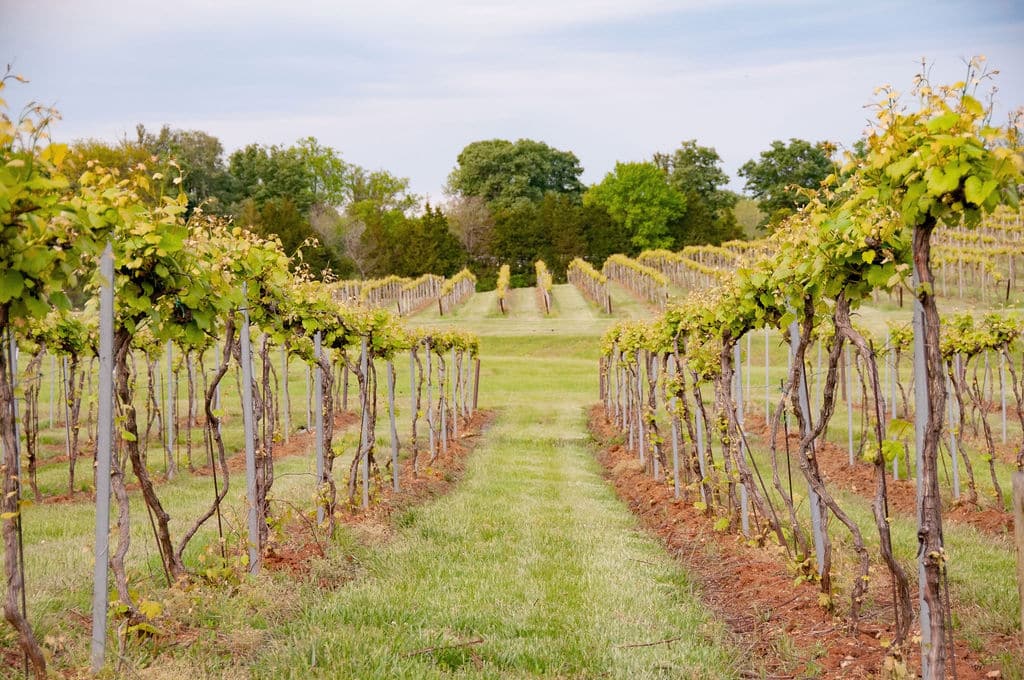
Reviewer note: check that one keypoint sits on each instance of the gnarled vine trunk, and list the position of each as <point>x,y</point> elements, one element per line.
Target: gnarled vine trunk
<point>328,489</point>
<point>32,380</point>
<point>958,381</point>
<point>10,507</point>
<point>413,440</point>
<point>880,505</point>
<point>688,419</point>
<point>737,441</point>
<point>931,553</point>
<point>74,381</point>
<point>161,519</point>
<point>220,487</point>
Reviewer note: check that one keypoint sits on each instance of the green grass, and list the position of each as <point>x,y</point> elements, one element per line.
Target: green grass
<point>532,553</point>
<point>626,304</point>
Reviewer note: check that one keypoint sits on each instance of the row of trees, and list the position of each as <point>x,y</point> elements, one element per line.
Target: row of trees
<point>524,201</point>
<point>513,202</point>
<point>331,214</point>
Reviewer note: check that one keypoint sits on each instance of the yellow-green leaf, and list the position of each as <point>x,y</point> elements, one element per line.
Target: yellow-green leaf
<point>11,285</point>
<point>150,609</point>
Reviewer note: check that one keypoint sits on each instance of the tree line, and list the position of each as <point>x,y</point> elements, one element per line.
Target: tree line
<point>508,202</point>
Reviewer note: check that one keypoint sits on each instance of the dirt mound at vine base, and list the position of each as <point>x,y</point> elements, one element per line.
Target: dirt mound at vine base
<point>781,623</point>
<point>834,462</point>
<point>432,480</point>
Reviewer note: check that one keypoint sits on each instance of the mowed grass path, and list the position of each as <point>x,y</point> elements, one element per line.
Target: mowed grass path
<point>531,567</point>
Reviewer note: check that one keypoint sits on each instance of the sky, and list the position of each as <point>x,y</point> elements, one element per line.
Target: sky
<point>404,86</point>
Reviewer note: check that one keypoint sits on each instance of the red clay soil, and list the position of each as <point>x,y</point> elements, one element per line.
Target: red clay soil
<point>434,479</point>
<point>834,462</point>
<point>64,498</point>
<point>751,589</point>
<point>304,542</point>
<point>1007,453</point>
<point>299,443</point>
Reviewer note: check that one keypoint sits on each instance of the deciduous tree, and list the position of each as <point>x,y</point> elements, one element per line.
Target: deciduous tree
<point>263,173</point>
<point>472,222</point>
<point>780,175</point>
<point>200,157</point>
<point>695,171</point>
<point>378,213</point>
<point>503,172</point>
<point>638,197</point>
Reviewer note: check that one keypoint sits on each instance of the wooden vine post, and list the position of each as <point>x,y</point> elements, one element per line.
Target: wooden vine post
<point>442,398</point>
<point>767,381</point>
<point>309,400</point>
<point>53,387</point>
<point>672,371</point>
<point>431,430</point>
<point>414,409</point>
<point>929,510</point>
<point>456,372</point>
<point>286,400</point>
<point>738,400</point>
<point>848,382</point>
<point>476,383</point>
<point>890,372</point>
<point>169,417</point>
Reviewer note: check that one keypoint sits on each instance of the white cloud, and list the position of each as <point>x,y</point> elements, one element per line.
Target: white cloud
<point>604,107</point>
<point>412,115</point>
<point>127,17</point>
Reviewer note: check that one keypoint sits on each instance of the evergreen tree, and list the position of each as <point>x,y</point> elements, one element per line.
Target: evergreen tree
<point>431,247</point>
<point>280,217</point>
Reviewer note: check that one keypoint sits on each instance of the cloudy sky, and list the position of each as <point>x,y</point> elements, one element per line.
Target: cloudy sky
<point>406,85</point>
